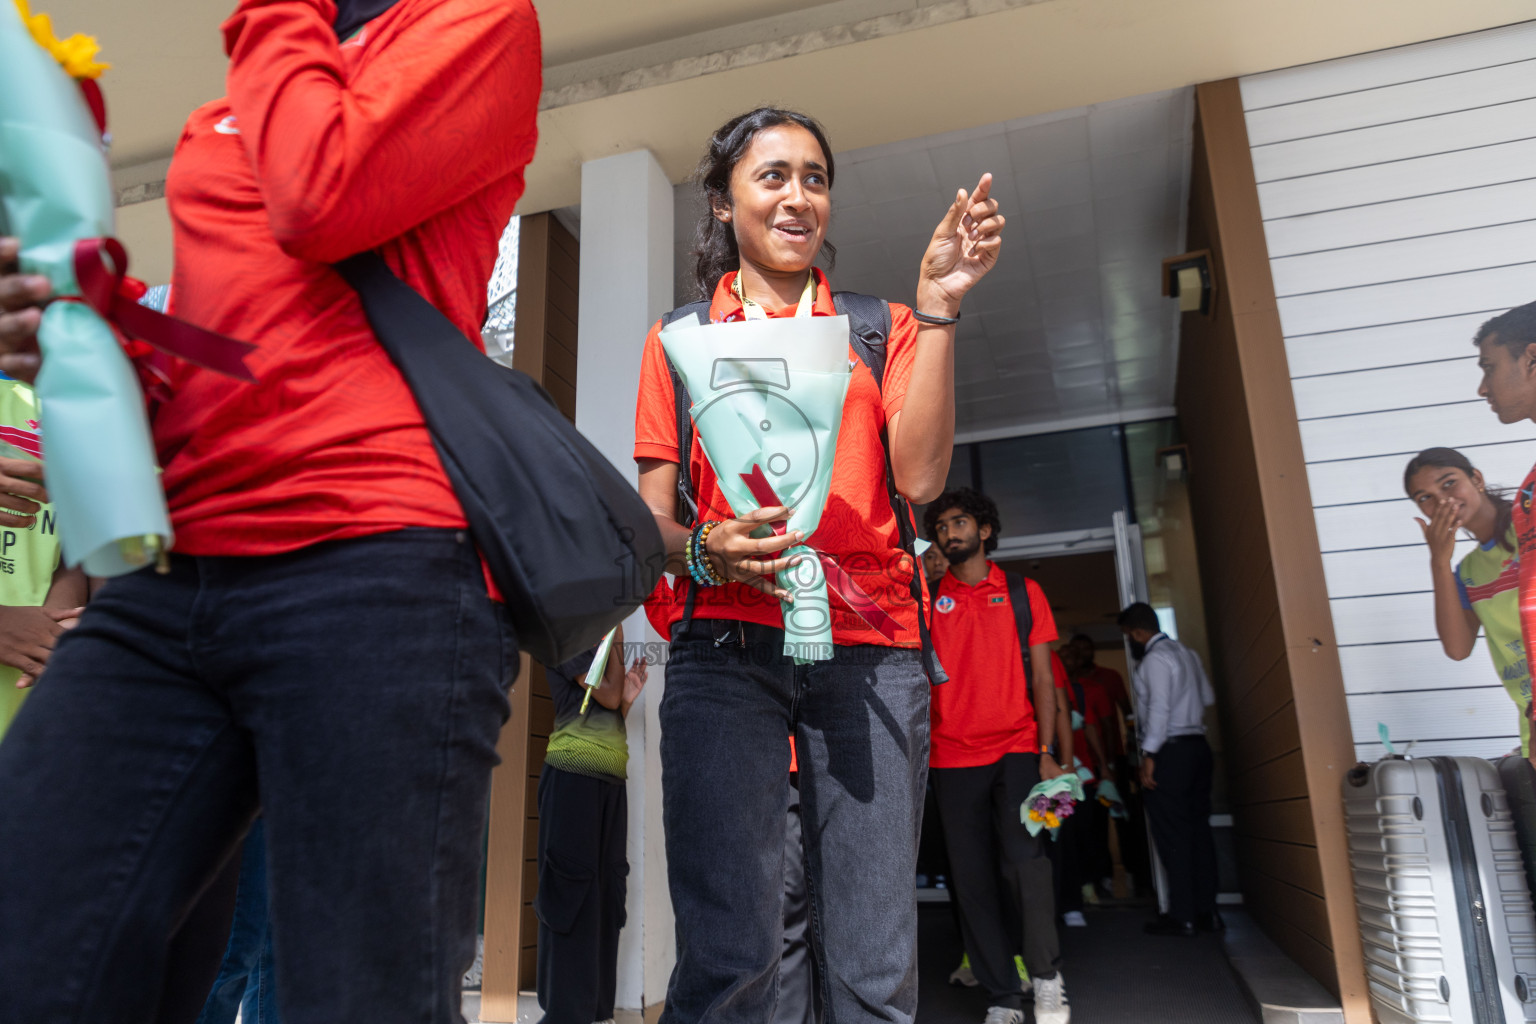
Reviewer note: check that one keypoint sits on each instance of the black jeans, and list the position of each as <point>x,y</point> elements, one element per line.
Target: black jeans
<point>799,993</point>
<point>583,880</point>
<point>1002,874</point>
<point>860,723</point>
<point>357,686</point>
<point>1179,811</point>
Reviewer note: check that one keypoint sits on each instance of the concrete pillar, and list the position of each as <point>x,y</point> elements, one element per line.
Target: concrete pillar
<point>626,284</point>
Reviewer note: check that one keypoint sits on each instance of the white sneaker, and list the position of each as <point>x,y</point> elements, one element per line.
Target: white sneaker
<point>1003,1015</point>
<point>1051,1001</point>
<point>1075,919</point>
<point>963,975</point>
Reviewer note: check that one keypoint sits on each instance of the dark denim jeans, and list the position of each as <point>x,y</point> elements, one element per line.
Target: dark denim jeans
<point>357,686</point>
<point>244,984</point>
<point>860,723</point>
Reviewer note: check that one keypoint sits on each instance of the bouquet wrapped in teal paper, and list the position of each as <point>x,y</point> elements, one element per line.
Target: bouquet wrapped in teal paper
<point>767,406</point>
<point>594,677</point>
<point>1050,803</point>
<point>56,196</point>
<point>1109,796</point>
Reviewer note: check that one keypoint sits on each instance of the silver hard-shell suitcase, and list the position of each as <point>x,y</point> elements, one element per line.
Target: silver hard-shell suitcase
<point>1445,912</point>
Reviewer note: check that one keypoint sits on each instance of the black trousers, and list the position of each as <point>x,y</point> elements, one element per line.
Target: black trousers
<point>583,823</point>
<point>1179,811</point>
<point>1069,853</point>
<point>799,987</point>
<point>1002,874</point>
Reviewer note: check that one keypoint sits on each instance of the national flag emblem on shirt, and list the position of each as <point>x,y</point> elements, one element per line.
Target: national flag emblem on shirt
<point>998,599</point>
<point>945,604</point>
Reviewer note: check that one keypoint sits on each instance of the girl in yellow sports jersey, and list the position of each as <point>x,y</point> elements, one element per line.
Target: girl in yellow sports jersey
<point>39,598</point>
<point>1483,589</point>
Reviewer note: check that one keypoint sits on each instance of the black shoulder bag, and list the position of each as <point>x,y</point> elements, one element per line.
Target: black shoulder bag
<point>569,543</point>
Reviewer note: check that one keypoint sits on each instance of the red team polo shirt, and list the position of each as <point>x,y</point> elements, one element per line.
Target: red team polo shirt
<point>323,149</point>
<point>1525,541</point>
<point>984,711</point>
<point>1105,691</point>
<point>858,526</point>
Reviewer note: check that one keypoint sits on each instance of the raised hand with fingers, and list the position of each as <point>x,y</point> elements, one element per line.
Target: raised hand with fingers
<point>1440,531</point>
<point>964,247</point>
<point>634,682</point>
<point>739,556</point>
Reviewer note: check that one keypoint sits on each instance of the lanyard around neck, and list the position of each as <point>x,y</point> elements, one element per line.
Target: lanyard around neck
<point>753,311</point>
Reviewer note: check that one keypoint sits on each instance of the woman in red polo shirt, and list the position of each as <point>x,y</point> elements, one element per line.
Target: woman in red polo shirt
<point>860,720</point>
<point>322,642</point>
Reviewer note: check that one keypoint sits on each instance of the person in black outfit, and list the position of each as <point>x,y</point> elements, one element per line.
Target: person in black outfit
<point>1172,693</point>
<point>583,827</point>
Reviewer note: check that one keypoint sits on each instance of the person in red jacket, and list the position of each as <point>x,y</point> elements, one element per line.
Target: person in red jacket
<point>322,644</point>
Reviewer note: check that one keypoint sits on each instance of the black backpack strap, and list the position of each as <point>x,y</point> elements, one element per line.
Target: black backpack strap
<point>1023,621</point>
<point>687,504</point>
<point>869,325</point>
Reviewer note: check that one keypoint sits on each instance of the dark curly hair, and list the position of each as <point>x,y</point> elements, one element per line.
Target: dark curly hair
<point>974,504</point>
<point>1514,329</point>
<point>715,253</point>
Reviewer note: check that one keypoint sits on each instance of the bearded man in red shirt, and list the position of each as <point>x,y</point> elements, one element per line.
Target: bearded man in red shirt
<point>322,645</point>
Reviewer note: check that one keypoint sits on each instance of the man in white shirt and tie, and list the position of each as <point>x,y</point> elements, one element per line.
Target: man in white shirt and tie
<point>1172,693</point>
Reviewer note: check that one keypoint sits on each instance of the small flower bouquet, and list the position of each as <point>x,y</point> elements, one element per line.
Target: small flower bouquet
<point>1109,796</point>
<point>1050,803</point>
<point>56,197</point>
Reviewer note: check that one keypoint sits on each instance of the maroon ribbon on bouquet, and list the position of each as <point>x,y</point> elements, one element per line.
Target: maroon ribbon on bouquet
<point>101,269</point>
<point>838,580</point>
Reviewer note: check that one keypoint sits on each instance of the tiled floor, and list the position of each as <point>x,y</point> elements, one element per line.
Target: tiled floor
<point>1114,973</point>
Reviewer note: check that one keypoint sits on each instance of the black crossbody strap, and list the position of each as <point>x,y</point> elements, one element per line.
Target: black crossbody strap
<point>1023,621</point>
<point>687,503</point>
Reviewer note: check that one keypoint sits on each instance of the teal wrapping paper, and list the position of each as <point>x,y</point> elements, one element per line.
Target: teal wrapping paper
<point>768,398</point>
<point>56,190</point>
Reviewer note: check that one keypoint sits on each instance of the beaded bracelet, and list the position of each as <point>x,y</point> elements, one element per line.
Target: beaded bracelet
<point>691,557</point>
<point>705,572</point>
<point>709,566</point>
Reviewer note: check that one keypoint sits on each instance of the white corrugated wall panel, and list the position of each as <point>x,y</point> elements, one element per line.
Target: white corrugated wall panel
<point>1485,711</point>
<point>1367,571</point>
<point>1402,218</point>
<point>1360,184</point>
<point>1402,140</point>
<point>1388,668</point>
<point>1398,191</point>
<point>1355,481</point>
<point>1388,67</point>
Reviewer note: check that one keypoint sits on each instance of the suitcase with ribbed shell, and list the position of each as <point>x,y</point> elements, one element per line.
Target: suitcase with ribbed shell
<point>1445,912</point>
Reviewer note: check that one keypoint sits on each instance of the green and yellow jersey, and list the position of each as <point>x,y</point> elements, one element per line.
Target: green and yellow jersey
<point>1489,581</point>
<point>29,556</point>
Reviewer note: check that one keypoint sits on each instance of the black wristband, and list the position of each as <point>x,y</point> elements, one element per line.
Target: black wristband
<point>935,321</point>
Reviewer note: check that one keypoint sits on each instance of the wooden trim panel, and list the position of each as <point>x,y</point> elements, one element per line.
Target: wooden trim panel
<point>1274,658</point>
